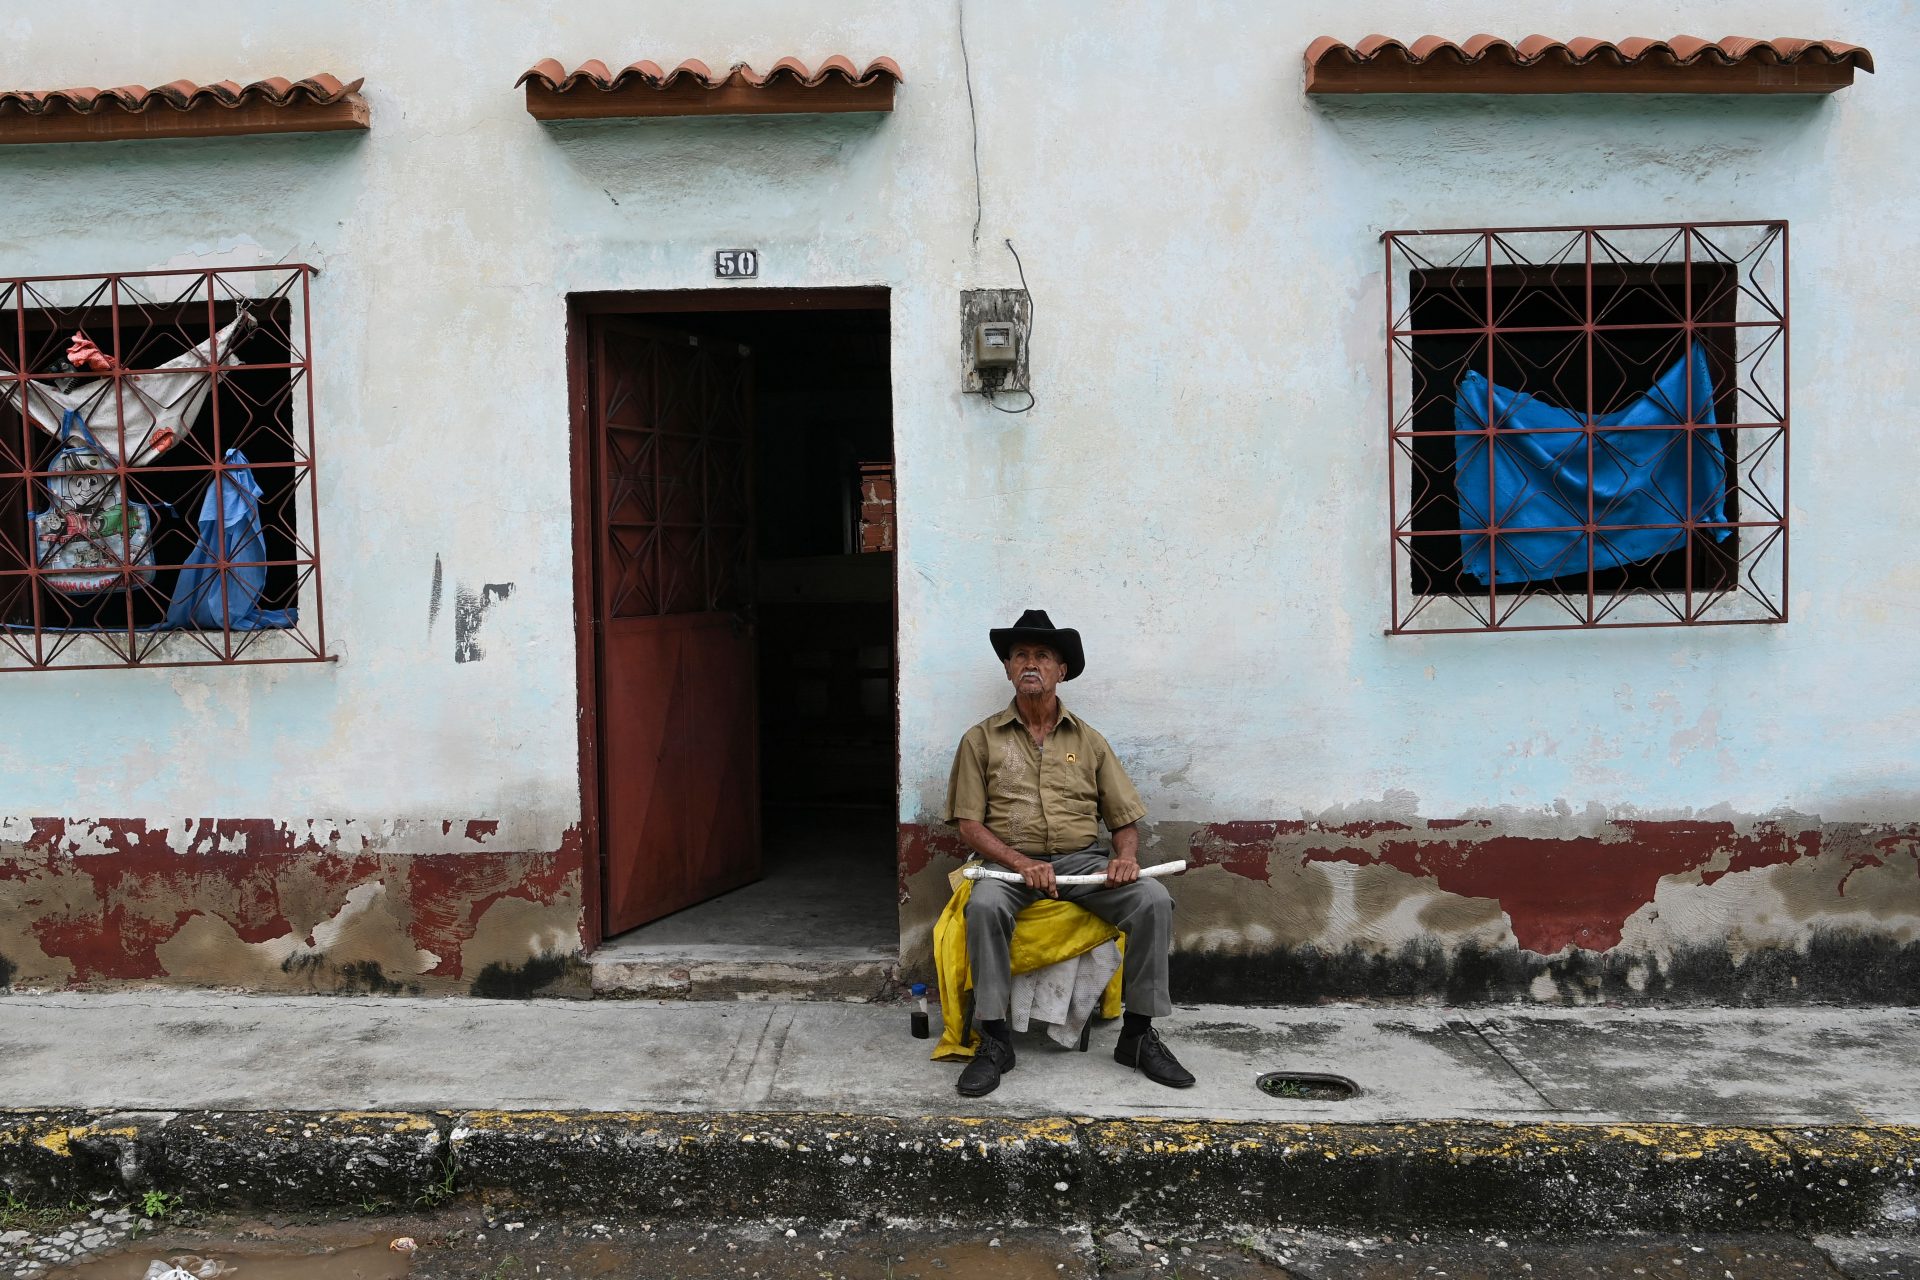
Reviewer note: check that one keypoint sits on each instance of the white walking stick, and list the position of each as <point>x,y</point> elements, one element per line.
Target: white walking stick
<point>1097,877</point>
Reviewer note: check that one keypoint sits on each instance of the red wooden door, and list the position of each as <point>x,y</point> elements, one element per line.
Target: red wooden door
<point>679,786</point>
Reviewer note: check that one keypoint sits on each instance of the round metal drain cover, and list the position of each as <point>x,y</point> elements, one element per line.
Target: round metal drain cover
<point>1306,1086</point>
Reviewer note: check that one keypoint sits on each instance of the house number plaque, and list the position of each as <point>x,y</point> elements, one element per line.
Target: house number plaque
<point>736,264</point>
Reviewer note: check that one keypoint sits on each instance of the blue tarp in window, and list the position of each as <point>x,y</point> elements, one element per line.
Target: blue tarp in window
<point>197,598</point>
<point>1539,476</point>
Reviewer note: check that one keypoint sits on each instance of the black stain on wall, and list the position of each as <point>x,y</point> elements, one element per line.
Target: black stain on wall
<point>466,626</point>
<point>469,610</point>
<point>433,599</point>
<point>7,971</point>
<point>354,978</point>
<point>1837,967</point>
<point>521,981</point>
<point>367,977</point>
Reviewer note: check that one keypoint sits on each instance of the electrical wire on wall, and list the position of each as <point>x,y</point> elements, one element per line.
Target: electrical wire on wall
<point>979,203</point>
<point>1031,398</point>
<point>973,119</point>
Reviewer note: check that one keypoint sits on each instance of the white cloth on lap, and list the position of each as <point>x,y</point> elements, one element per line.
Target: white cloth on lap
<point>1064,994</point>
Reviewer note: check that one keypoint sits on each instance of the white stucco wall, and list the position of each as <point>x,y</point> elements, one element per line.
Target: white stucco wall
<point>1201,488</point>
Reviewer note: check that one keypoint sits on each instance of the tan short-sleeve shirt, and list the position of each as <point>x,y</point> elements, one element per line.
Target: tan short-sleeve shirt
<point>1040,800</point>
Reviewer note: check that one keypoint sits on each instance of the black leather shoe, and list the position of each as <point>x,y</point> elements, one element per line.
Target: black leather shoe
<point>1147,1052</point>
<point>982,1076</point>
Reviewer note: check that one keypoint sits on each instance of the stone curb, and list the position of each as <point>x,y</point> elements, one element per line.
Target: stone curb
<point>1161,1174</point>
<point>225,1159</point>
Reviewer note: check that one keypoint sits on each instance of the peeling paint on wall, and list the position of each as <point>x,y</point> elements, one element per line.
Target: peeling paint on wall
<point>290,914</point>
<point>469,610</point>
<point>1561,908</point>
<point>1557,889</point>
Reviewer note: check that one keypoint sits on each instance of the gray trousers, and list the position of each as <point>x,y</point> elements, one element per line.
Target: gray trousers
<point>1142,910</point>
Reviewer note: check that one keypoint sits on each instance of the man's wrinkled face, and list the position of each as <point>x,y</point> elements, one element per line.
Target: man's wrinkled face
<point>1034,669</point>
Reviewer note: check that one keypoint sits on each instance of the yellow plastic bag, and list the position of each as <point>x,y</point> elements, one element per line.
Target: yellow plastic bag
<point>1046,932</point>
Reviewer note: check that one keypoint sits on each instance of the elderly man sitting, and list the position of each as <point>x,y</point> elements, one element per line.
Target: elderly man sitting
<point>1030,786</point>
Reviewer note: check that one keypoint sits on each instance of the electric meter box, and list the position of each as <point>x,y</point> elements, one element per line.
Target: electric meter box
<point>995,341</point>
<point>995,344</point>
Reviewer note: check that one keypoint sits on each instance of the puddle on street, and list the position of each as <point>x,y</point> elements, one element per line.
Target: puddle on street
<point>869,1259</point>
<point>493,1243</point>
<point>1023,1261</point>
<point>456,1245</point>
<point>251,1261</point>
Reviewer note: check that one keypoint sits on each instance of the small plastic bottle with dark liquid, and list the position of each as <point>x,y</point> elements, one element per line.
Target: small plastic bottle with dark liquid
<point>922,1029</point>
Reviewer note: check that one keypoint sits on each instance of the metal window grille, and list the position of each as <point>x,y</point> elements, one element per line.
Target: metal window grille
<point>158,497</point>
<point>1542,474</point>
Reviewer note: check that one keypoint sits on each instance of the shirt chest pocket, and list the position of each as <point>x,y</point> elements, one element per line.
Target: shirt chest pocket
<point>1070,790</point>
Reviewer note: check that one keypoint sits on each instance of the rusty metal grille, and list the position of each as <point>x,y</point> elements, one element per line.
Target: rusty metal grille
<point>1587,426</point>
<point>158,496</point>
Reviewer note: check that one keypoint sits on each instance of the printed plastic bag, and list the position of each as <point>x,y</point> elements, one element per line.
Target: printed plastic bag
<point>90,538</point>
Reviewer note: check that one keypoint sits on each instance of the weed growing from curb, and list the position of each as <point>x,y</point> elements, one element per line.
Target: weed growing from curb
<point>158,1206</point>
<point>445,1185</point>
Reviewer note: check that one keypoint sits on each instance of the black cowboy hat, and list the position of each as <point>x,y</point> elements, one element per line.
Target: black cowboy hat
<point>1035,626</point>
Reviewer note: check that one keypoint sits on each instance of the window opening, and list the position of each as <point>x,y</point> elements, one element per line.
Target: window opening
<point>1587,426</point>
<point>157,470</point>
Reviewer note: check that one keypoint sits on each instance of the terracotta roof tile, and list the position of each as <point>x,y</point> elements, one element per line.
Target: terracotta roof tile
<point>1542,64</point>
<point>550,73</point>
<point>181,109</point>
<point>182,95</point>
<point>593,91</point>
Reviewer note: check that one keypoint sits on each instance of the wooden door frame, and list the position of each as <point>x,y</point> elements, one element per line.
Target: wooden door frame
<point>581,308</point>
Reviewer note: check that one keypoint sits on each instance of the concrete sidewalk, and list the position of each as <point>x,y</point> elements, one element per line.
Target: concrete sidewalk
<point>1503,1116</point>
<point>188,1051</point>
<point>185,1050</point>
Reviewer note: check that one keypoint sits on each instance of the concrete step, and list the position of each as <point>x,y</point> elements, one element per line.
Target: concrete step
<point>736,972</point>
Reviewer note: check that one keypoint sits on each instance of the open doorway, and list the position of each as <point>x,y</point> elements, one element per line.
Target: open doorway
<point>739,552</point>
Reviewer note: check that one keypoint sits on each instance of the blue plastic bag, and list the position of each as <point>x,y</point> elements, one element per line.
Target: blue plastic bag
<point>1540,480</point>
<point>235,505</point>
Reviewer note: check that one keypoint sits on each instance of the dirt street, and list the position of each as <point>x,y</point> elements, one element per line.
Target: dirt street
<point>464,1243</point>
